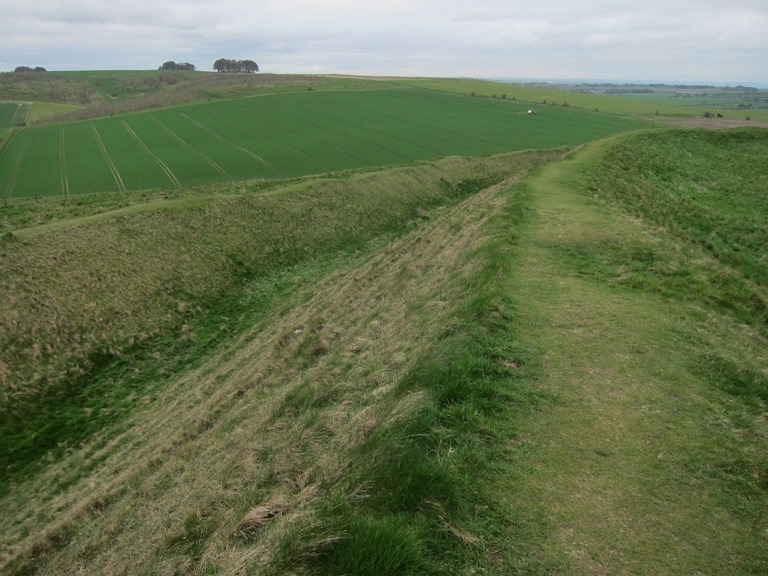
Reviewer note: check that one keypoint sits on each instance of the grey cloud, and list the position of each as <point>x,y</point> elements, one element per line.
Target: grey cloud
<point>591,38</point>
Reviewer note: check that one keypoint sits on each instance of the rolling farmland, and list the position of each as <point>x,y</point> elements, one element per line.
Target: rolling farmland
<point>279,136</point>
<point>369,343</point>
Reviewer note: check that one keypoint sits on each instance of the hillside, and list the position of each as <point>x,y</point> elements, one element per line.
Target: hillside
<point>434,335</point>
<point>277,355</point>
<point>476,367</point>
<point>109,92</point>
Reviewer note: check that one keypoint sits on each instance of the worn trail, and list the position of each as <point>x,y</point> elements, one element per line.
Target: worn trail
<point>617,464</point>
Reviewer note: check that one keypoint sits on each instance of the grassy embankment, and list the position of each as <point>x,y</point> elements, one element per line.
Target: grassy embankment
<point>326,428</point>
<point>84,295</point>
<point>654,339</point>
<point>537,380</point>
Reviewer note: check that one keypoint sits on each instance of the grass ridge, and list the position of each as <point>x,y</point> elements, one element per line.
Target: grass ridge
<point>514,378</point>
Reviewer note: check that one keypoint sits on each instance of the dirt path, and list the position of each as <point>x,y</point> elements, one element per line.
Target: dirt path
<point>612,462</point>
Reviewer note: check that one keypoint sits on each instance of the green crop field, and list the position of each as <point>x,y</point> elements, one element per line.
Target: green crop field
<point>11,113</point>
<point>279,136</point>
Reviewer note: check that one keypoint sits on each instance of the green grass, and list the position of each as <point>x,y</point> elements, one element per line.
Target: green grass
<point>298,419</point>
<point>575,422</point>
<point>709,190</point>
<point>39,111</point>
<point>659,105</point>
<point>12,114</point>
<point>654,461</point>
<point>456,366</point>
<point>279,136</point>
<point>137,282</point>
<point>425,480</point>
<point>731,102</point>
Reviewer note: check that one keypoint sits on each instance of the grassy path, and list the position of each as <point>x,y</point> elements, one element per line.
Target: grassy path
<point>627,468</point>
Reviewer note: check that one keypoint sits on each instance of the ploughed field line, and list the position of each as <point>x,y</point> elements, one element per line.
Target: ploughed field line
<point>230,121</point>
<point>318,139</point>
<point>220,138</point>
<point>63,165</point>
<point>345,129</point>
<point>405,133</point>
<point>13,114</point>
<point>369,130</point>
<point>108,160</point>
<point>184,143</point>
<point>287,135</point>
<point>163,166</point>
<point>15,172</point>
<point>20,114</point>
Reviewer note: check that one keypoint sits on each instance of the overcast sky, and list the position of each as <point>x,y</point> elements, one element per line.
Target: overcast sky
<point>652,40</point>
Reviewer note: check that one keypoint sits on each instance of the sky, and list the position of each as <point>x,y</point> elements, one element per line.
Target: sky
<point>713,41</point>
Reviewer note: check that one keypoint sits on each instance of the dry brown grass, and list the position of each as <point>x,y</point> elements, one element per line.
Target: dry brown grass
<point>260,516</point>
<point>108,285</point>
<point>247,443</point>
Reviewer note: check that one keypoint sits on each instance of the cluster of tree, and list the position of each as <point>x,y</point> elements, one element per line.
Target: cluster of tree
<point>28,69</point>
<point>170,65</point>
<point>226,65</point>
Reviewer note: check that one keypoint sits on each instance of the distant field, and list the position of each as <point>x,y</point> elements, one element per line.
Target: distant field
<point>278,136</point>
<point>41,110</point>
<point>551,97</point>
<point>732,106</point>
<point>12,114</point>
<point>664,101</point>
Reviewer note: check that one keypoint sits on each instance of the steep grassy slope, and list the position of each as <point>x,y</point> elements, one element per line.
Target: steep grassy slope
<point>654,461</point>
<point>280,450</point>
<point>709,189</point>
<point>82,298</point>
<point>515,381</point>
